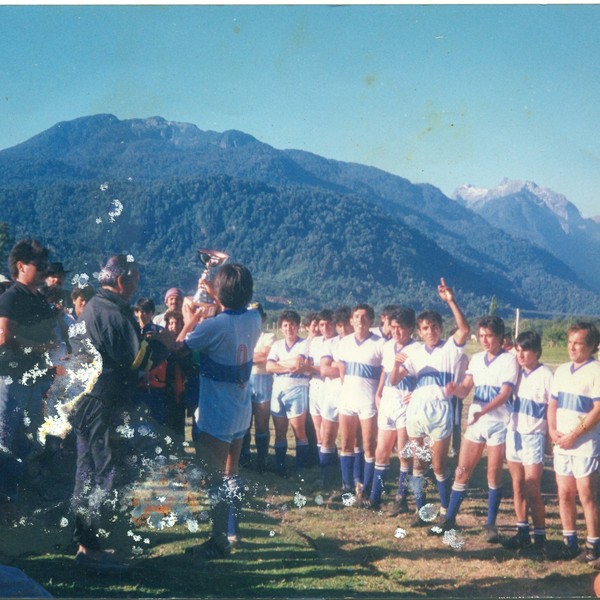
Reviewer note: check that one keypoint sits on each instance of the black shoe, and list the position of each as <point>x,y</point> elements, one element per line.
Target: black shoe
<point>338,496</point>
<point>418,522</point>
<point>569,552</point>
<point>211,549</point>
<point>442,528</point>
<point>100,562</point>
<point>587,555</point>
<point>491,534</point>
<point>399,507</point>
<point>517,542</point>
<point>535,551</point>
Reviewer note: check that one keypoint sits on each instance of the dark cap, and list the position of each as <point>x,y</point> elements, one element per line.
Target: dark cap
<point>56,268</point>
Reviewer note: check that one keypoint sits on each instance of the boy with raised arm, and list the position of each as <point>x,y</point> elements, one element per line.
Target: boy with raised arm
<point>429,412</point>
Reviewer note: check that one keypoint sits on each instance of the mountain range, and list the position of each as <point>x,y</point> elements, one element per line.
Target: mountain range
<point>314,231</point>
<point>543,217</point>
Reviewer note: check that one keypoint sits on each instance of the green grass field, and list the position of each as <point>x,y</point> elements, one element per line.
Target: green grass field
<point>294,546</point>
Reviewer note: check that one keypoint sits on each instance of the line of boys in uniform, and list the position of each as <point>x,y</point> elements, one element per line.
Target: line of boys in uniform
<point>391,390</point>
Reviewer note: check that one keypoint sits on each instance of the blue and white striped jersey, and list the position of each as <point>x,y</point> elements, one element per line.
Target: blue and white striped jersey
<point>363,366</point>
<point>529,409</point>
<point>433,368</point>
<point>489,375</point>
<point>575,391</point>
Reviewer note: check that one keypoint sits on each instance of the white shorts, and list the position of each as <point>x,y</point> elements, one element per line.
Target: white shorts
<point>392,414</point>
<point>290,403</point>
<point>261,388</point>
<point>431,418</point>
<point>488,430</point>
<point>525,448</point>
<point>330,400</point>
<point>363,409</point>
<point>315,396</point>
<point>579,467</point>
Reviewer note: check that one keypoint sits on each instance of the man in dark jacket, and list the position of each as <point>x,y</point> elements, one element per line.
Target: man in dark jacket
<point>26,336</point>
<point>111,327</point>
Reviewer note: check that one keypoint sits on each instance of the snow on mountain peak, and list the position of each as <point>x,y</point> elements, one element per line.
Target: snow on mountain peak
<point>476,197</point>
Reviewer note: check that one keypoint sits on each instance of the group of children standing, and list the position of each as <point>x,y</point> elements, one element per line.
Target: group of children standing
<point>380,389</point>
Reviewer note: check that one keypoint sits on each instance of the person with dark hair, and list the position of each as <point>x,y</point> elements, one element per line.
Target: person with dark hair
<point>310,323</point>
<point>226,345</point>
<point>27,334</point>
<point>392,402</point>
<point>111,328</point>
<point>526,443</point>
<point>152,385</point>
<point>315,351</point>
<point>179,370</point>
<point>182,382</point>
<point>383,330</point>
<point>330,371</point>
<point>493,373</point>
<point>287,361</point>
<point>80,296</point>
<point>144,310</point>
<point>55,278</point>
<point>360,368</point>
<point>429,414</point>
<point>573,423</point>
<point>261,389</point>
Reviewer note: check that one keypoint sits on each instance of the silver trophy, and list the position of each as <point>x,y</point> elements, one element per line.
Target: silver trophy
<point>209,259</point>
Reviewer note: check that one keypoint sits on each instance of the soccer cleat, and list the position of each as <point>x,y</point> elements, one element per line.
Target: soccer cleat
<point>491,534</point>
<point>337,497</point>
<point>359,490</point>
<point>517,542</point>
<point>587,555</point>
<point>442,528</point>
<point>535,551</point>
<point>568,552</point>
<point>211,549</point>
<point>417,521</point>
<point>399,507</point>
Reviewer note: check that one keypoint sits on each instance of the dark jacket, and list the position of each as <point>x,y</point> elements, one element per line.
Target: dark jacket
<point>112,329</point>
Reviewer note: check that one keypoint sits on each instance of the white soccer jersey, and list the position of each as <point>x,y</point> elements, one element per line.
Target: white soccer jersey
<point>266,340</point>
<point>331,349</point>
<point>226,347</point>
<point>488,378</point>
<point>576,390</point>
<point>528,411</point>
<point>407,384</point>
<point>318,346</point>
<point>362,362</point>
<point>433,368</point>
<point>379,332</point>
<point>281,352</point>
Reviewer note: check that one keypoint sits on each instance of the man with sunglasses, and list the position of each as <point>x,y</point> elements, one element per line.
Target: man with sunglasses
<point>27,327</point>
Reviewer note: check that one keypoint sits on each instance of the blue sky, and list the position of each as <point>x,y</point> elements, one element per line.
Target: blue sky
<point>439,94</point>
